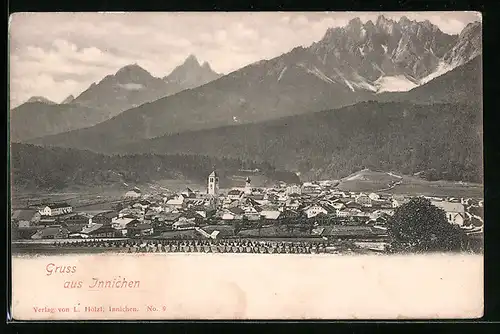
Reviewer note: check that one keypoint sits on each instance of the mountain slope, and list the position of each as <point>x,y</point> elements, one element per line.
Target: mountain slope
<point>258,92</point>
<point>349,65</point>
<point>132,86</point>
<point>32,120</point>
<point>463,84</point>
<point>36,167</point>
<point>68,99</point>
<point>389,136</point>
<point>127,88</point>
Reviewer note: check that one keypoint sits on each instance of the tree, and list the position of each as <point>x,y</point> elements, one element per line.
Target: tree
<point>419,226</point>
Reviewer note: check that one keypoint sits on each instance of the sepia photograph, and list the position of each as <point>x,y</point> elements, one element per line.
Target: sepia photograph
<point>246,165</point>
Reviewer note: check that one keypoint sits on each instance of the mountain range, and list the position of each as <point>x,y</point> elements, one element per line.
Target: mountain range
<point>129,87</point>
<point>343,68</point>
<point>393,136</point>
<point>391,95</point>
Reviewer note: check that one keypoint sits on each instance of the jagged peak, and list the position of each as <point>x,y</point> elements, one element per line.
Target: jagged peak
<point>355,22</point>
<point>382,18</point>
<point>192,59</point>
<point>68,99</point>
<point>40,99</point>
<point>131,68</point>
<point>206,65</point>
<point>471,26</point>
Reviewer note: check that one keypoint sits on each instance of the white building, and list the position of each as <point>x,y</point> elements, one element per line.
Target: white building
<point>293,189</point>
<point>455,212</point>
<point>213,183</point>
<point>235,194</point>
<point>55,209</point>
<point>315,210</point>
<point>177,202</point>
<point>134,193</point>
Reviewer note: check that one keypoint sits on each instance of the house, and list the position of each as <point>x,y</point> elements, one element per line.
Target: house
<point>170,218</point>
<point>176,202</point>
<point>314,210</point>
<point>252,212</point>
<point>293,189</point>
<point>105,218</point>
<point>399,200</point>
<point>235,194</point>
<point>156,207</point>
<point>26,217</point>
<point>55,209</point>
<point>311,188</point>
<point>374,196</point>
<point>79,219</point>
<point>455,212</point>
<point>184,224</point>
<point>203,211</point>
<point>134,193</point>
<point>382,212</point>
<point>338,205</point>
<point>51,232</point>
<point>349,212</point>
<point>292,204</point>
<point>136,230</point>
<point>353,205</point>
<point>102,231</point>
<point>270,212</point>
<point>143,205</point>
<point>364,200</point>
<point>289,214</point>
<point>46,221</point>
<point>188,193</point>
<point>233,213</point>
<point>381,204</point>
<point>339,194</point>
<point>121,223</point>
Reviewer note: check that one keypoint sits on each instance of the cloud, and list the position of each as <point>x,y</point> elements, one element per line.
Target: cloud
<point>57,54</point>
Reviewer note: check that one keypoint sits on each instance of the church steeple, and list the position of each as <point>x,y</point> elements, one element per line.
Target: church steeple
<point>213,183</point>
<point>248,186</point>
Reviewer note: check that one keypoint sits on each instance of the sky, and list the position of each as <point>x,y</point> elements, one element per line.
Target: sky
<point>58,54</point>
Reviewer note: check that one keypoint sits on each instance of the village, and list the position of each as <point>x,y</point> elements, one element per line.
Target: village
<point>301,214</point>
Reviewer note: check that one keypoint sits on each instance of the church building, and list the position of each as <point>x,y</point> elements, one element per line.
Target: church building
<point>213,184</point>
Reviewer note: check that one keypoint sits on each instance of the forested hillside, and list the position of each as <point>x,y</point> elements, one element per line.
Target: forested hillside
<point>57,168</point>
<point>443,140</point>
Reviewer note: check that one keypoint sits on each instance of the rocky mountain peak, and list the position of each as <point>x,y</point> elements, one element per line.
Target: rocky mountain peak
<point>40,99</point>
<point>67,100</point>
<point>132,73</point>
<point>192,60</point>
<point>191,74</point>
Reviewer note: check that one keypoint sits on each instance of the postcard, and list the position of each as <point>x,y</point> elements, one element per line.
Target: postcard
<point>246,165</point>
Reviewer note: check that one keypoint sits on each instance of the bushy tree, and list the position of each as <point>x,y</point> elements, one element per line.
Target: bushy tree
<point>419,226</point>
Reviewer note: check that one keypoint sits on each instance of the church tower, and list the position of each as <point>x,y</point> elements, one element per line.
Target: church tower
<point>248,186</point>
<point>213,183</point>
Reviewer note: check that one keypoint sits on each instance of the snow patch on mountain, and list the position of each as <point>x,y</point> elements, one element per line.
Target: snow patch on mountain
<point>315,71</point>
<point>348,84</point>
<point>440,70</point>
<point>131,86</point>
<point>281,73</point>
<point>322,75</point>
<point>396,83</point>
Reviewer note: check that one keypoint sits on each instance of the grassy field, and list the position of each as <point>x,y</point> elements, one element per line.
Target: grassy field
<point>372,181</point>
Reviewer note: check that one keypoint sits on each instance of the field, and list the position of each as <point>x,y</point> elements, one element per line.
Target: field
<point>372,181</point>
